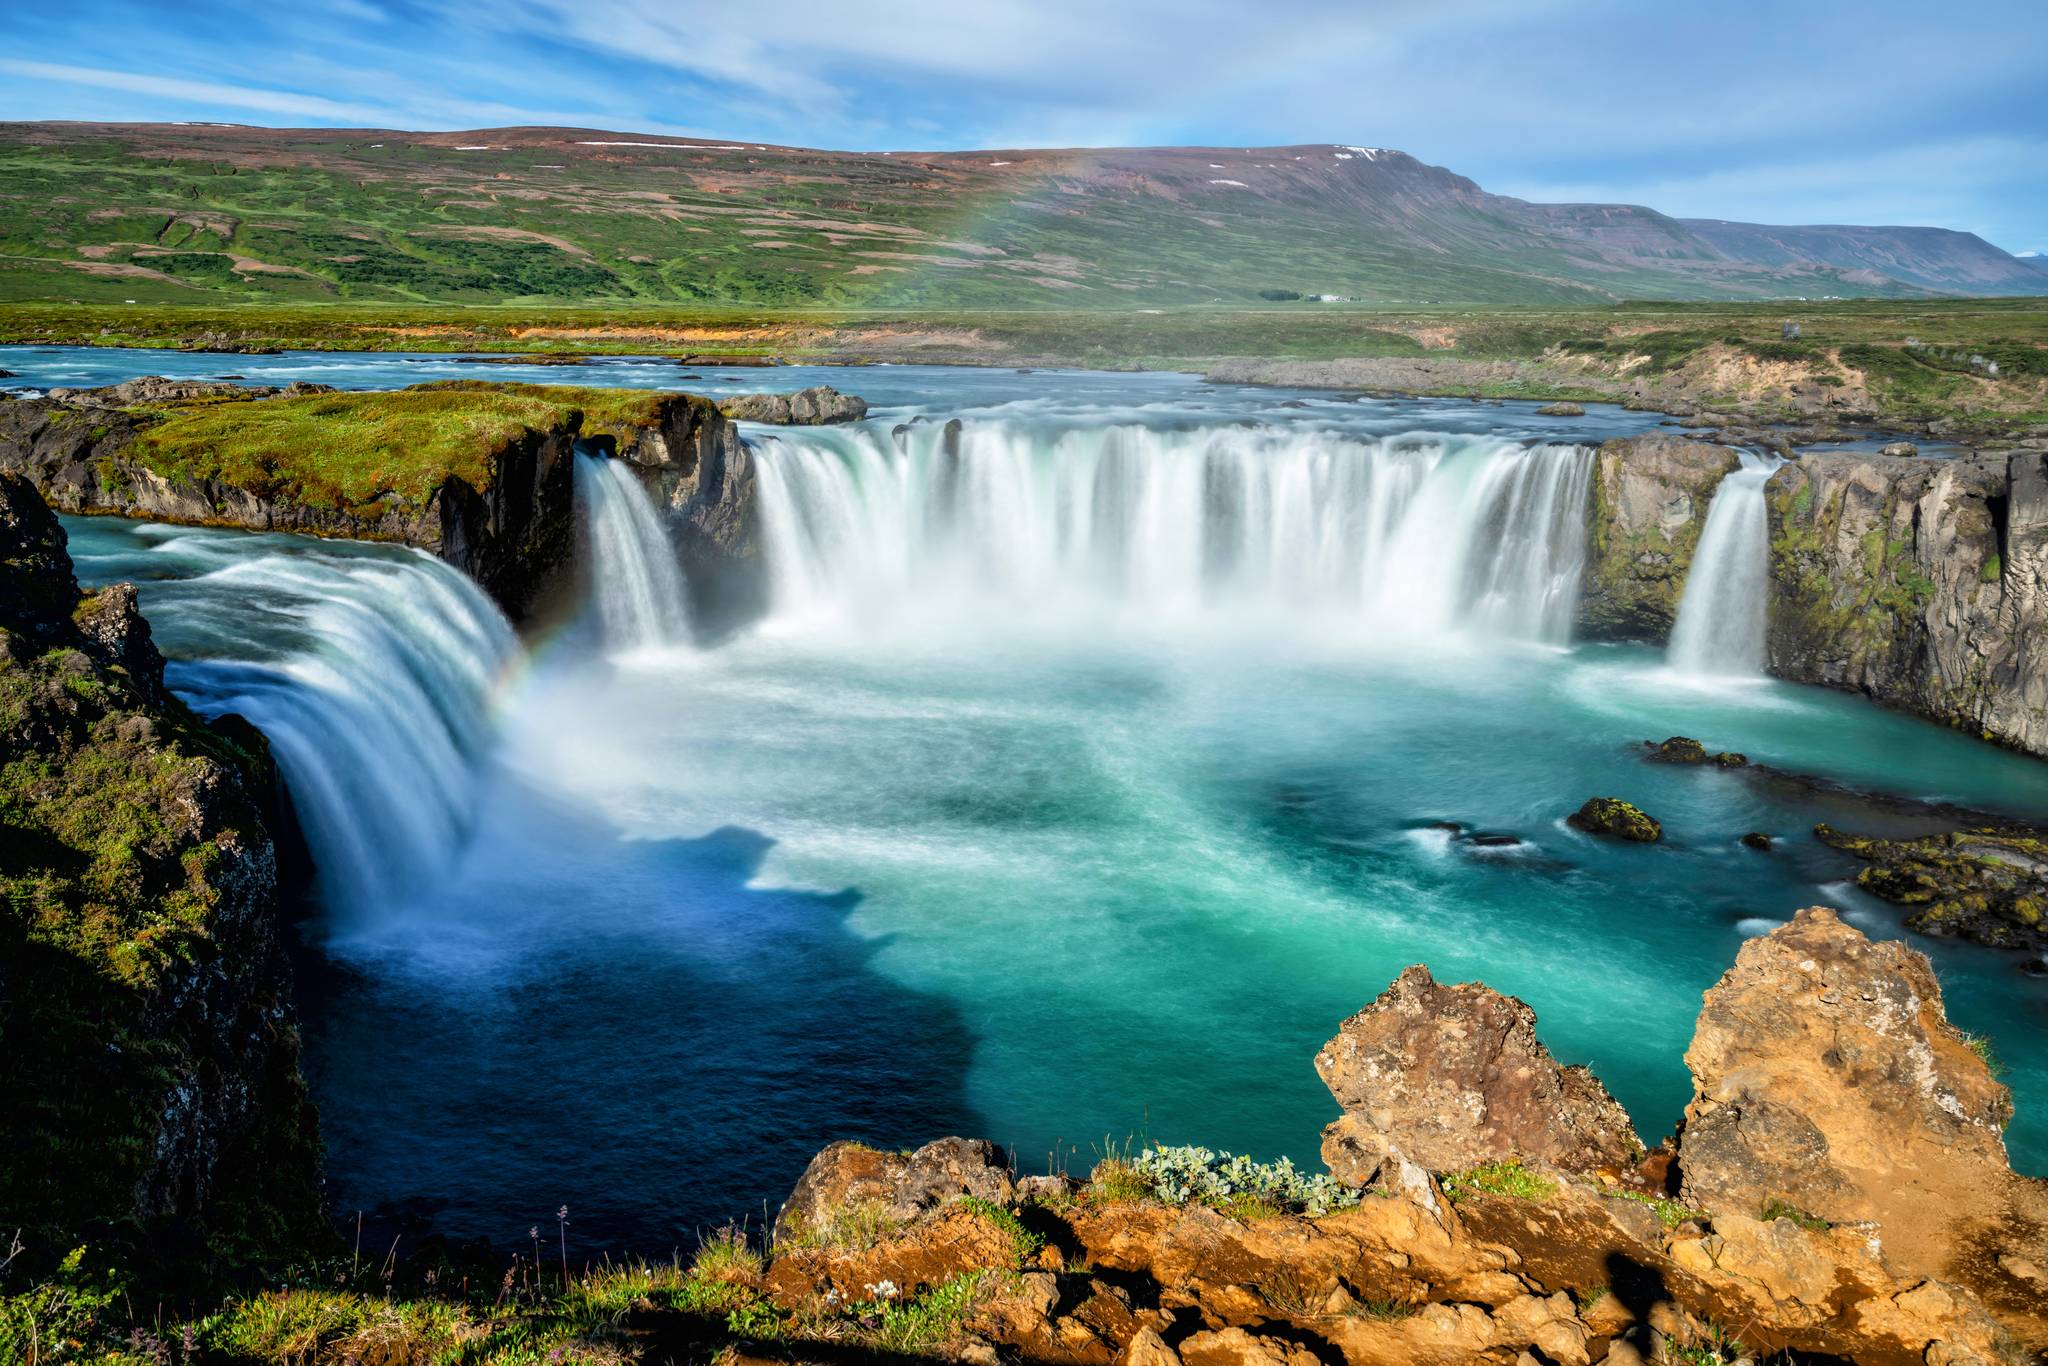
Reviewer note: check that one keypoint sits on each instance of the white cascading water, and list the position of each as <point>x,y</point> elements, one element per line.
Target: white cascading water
<point>1415,535</point>
<point>1720,626</point>
<point>380,721</point>
<point>635,579</point>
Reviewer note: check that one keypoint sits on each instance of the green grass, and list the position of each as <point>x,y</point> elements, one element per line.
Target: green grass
<point>854,1225</point>
<point>1784,1209</point>
<point>1509,1178</point>
<point>926,1321</point>
<point>1670,1213</point>
<point>345,450</point>
<point>1982,1047</point>
<point>1024,1244</point>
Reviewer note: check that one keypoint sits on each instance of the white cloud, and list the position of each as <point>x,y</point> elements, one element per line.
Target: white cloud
<point>192,92</point>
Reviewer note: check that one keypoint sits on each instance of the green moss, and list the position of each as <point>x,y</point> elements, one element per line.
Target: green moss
<point>1785,1209</point>
<point>1993,570</point>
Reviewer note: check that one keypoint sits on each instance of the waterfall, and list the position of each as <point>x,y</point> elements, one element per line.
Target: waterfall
<point>1720,627</point>
<point>1415,535</point>
<point>635,580</point>
<point>376,706</point>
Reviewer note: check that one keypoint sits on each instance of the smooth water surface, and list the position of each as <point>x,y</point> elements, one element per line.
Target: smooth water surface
<point>1094,821</point>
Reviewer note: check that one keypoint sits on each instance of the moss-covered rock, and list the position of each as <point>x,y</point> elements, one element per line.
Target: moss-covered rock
<point>1617,819</point>
<point>1645,515</point>
<point>1988,884</point>
<point>1683,749</point>
<point>148,1047</point>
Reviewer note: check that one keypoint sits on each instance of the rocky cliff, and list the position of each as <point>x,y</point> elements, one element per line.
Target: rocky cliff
<point>1921,583</point>
<point>1644,518</point>
<point>148,1046</point>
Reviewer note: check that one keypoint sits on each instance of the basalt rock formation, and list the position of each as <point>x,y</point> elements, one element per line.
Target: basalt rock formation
<point>1645,515</point>
<point>1447,1077</point>
<point>1922,583</point>
<point>1841,1193</point>
<point>148,1046</point>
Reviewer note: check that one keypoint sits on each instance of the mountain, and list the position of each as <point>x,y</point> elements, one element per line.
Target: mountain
<point>196,212</point>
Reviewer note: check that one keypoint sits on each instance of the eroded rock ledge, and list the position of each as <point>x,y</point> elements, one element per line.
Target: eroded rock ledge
<point>504,513</point>
<point>1839,1186</point>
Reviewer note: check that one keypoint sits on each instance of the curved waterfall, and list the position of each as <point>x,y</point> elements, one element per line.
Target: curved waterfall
<point>376,706</point>
<point>1414,535</point>
<point>635,580</point>
<point>1720,626</point>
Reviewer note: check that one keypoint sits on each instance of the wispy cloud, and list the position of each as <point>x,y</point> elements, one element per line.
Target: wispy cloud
<point>208,93</point>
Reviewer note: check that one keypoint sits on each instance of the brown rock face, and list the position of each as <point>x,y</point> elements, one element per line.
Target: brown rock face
<point>1827,1076</point>
<point>1450,1077</point>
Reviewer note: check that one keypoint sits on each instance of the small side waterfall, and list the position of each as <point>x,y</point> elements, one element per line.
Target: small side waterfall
<point>377,710</point>
<point>1720,627</point>
<point>1415,535</point>
<point>635,580</point>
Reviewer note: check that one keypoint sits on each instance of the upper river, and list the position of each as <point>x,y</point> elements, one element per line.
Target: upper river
<point>1072,789</point>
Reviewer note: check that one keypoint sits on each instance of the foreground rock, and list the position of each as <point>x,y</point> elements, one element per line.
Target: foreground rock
<point>1616,819</point>
<point>150,1053</point>
<point>818,406</point>
<point>1988,884</point>
<point>1827,1081</point>
<point>1647,509</point>
<point>1450,1077</point>
<point>1922,583</point>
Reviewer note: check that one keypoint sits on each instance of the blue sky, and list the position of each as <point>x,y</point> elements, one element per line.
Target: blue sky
<point>1797,111</point>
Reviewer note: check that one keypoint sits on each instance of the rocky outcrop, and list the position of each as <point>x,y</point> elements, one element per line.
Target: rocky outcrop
<point>150,1055</point>
<point>695,465</point>
<point>1830,1086</point>
<point>148,389</point>
<point>818,406</point>
<point>1922,583</point>
<point>1449,1077</point>
<point>1820,1055</point>
<point>1616,819</point>
<point>1647,509</point>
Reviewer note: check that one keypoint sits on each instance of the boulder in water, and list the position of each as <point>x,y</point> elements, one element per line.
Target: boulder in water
<point>818,406</point>
<point>1683,749</point>
<point>1562,409</point>
<point>1757,840</point>
<point>1899,448</point>
<point>1617,819</point>
<point>1679,749</point>
<point>1451,1077</point>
